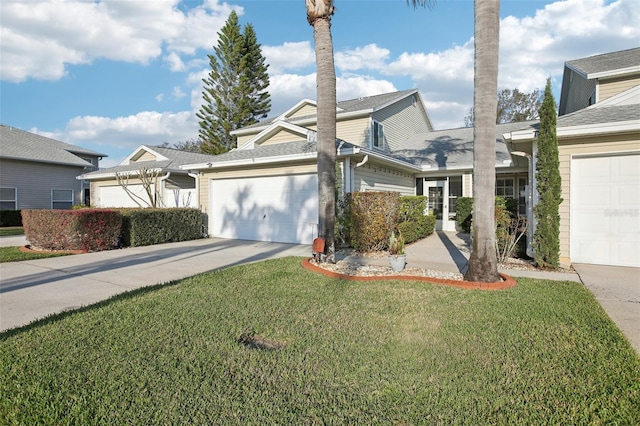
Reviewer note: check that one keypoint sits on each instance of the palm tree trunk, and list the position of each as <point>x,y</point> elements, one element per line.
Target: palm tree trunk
<point>483,264</point>
<point>319,15</point>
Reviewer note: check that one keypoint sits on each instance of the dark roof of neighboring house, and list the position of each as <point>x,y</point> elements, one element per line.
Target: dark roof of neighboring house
<point>22,145</point>
<point>596,114</point>
<point>453,148</point>
<point>607,62</point>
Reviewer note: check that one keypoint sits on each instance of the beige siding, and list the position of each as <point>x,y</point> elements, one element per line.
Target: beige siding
<point>147,156</point>
<point>571,147</point>
<point>304,112</point>
<point>401,120</point>
<point>245,138</point>
<point>377,177</point>
<point>580,91</point>
<point>467,185</point>
<point>283,136</point>
<point>613,86</point>
<point>274,170</point>
<point>34,182</point>
<point>355,130</point>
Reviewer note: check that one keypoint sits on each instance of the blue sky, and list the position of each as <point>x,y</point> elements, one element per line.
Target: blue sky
<point>110,75</point>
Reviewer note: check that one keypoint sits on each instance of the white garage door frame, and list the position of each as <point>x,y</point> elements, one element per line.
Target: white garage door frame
<point>116,196</point>
<point>605,209</point>
<point>281,208</point>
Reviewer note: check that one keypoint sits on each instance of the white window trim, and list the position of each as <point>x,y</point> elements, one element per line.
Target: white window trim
<point>61,201</point>
<point>15,197</point>
<point>375,123</point>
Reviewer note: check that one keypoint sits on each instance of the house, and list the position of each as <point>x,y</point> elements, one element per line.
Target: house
<point>599,152</point>
<point>266,189</point>
<point>37,172</point>
<point>171,186</point>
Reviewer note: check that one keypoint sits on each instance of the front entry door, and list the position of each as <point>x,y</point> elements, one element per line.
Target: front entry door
<point>437,192</point>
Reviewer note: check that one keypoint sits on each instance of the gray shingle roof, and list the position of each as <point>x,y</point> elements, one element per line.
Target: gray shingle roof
<point>452,148</point>
<point>599,115</point>
<point>22,145</point>
<point>607,62</point>
<point>351,105</point>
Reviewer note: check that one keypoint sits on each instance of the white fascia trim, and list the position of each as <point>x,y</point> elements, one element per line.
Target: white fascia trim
<point>520,135</point>
<point>596,129</point>
<point>250,161</point>
<point>296,107</point>
<point>389,160</point>
<point>272,128</point>
<point>614,73</point>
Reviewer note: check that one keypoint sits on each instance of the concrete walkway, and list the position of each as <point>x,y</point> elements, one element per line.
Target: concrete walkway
<point>33,289</point>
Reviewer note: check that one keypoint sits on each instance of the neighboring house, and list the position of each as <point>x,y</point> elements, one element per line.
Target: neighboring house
<point>171,187</point>
<point>599,150</point>
<point>37,172</point>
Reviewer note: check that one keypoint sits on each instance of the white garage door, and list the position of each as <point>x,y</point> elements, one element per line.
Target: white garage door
<point>115,196</point>
<point>605,210</point>
<point>268,208</point>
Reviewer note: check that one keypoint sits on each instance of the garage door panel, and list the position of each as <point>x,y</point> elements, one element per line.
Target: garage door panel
<point>605,210</point>
<point>116,196</point>
<point>271,208</point>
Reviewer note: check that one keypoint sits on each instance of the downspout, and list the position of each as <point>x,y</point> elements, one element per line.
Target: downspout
<point>162,188</point>
<point>362,163</point>
<point>196,177</point>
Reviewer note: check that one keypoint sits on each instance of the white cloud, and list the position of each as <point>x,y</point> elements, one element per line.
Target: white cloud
<point>175,62</point>
<point>368,57</point>
<point>39,39</point>
<point>178,93</point>
<point>147,127</point>
<point>289,56</point>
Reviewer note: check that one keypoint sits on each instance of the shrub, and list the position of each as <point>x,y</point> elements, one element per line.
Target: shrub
<point>89,229</point>
<point>464,210</point>
<point>412,207</point>
<point>510,229</point>
<point>10,218</point>
<point>373,216</point>
<point>143,227</point>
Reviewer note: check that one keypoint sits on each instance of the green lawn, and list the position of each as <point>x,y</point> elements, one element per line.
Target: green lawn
<point>387,352</point>
<point>13,254</point>
<point>11,230</point>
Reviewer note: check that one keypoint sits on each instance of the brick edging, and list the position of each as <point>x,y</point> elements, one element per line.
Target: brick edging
<point>507,282</point>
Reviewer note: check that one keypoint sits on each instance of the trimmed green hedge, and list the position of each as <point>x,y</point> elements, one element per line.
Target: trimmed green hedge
<point>10,218</point>
<point>89,230</point>
<point>144,227</point>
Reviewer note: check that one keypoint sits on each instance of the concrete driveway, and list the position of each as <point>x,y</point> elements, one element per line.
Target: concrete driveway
<point>617,289</point>
<point>33,289</point>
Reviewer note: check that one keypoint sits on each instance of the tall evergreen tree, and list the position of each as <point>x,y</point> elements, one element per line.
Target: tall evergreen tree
<point>235,90</point>
<point>546,238</point>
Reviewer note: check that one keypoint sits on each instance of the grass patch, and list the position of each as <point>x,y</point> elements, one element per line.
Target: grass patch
<point>13,254</point>
<point>11,230</point>
<point>387,352</point>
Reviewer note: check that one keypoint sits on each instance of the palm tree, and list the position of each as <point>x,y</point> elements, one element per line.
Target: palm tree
<point>319,14</point>
<point>483,263</point>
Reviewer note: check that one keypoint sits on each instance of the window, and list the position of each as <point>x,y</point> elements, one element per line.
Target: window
<point>504,187</point>
<point>378,135</point>
<point>455,191</point>
<point>61,198</point>
<point>8,199</point>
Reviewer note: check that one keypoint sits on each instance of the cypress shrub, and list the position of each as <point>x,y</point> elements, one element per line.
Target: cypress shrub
<point>546,238</point>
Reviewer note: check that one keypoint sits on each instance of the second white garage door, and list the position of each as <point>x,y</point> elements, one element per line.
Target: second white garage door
<point>267,208</point>
<point>605,210</point>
